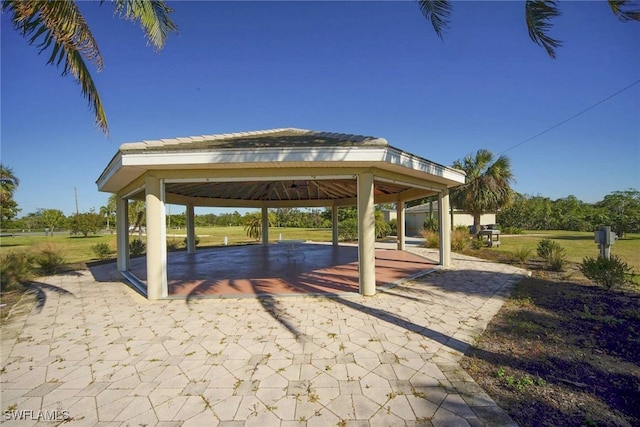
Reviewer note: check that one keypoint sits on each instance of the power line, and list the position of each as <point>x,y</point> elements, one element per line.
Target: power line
<point>572,117</point>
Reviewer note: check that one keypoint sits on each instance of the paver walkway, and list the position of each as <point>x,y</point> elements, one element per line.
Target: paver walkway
<point>98,353</point>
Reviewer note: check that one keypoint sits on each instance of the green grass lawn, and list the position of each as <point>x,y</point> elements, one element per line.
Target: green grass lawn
<point>577,245</point>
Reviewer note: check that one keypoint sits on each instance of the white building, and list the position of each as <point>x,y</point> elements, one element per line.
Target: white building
<point>416,215</point>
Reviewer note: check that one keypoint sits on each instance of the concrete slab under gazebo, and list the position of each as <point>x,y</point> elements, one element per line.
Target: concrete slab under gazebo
<point>269,169</point>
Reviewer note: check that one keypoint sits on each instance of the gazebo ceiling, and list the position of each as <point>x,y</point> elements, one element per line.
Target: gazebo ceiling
<point>286,190</point>
<point>291,167</point>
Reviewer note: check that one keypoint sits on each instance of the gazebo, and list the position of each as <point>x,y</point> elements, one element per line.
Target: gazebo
<point>270,169</point>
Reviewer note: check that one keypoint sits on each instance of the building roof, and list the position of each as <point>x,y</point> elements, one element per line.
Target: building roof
<point>278,165</point>
<point>273,138</point>
<point>422,208</point>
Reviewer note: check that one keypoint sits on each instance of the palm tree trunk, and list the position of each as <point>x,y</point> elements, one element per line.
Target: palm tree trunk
<point>476,224</point>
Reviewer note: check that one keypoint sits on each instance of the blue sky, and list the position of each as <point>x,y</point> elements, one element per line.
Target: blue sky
<point>371,68</point>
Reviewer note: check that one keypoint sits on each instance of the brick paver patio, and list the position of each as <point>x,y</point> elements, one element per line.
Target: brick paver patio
<point>98,353</point>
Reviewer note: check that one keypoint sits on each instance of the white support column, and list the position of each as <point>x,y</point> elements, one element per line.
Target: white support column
<point>265,226</point>
<point>156,239</point>
<point>334,225</point>
<point>444,221</point>
<point>122,236</point>
<point>366,235</point>
<point>400,219</point>
<point>191,230</point>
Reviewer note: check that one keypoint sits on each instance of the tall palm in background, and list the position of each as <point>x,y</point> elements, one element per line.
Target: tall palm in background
<point>109,209</point>
<point>59,28</point>
<point>487,185</point>
<point>538,15</point>
<point>8,185</point>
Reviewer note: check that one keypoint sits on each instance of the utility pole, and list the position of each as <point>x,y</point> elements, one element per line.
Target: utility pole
<point>75,191</point>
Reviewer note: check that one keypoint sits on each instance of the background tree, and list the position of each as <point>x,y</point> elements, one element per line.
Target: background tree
<point>85,223</point>
<point>286,217</point>
<point>52,219</point>
<point>569,213</point>
<point>538,15</point>
<point>622,210</point>
<point>31,221</point>
<point>177,220</point>
<point>487,185</point>
<point>8,185</point>
<point>315,218</point>
<point>59,28</point>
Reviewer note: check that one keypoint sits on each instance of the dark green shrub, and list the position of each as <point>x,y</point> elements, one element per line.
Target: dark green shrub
<point>173,245</point>
<point>137,247</point>
<point>522,254</point>
<point>15,268</point>
<point>546,247</point>
<point>431,224</point>
<point>606,272</point>
<point>348,230</point>
<point>393,225</point>
<point>383,229</point>
<point>197,241</point>
<point>49,259</point>
<point>102,251</point>
<point>478,243</point>
<point>557,259</point>
<point>553,253</point>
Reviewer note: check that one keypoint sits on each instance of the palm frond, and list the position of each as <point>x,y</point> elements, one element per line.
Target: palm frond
<point>153,16</point>
<point>77,67</point>
<point>59,27</point>
<point>538,14</point>
<point>500,170</point>
<point>625,10</point>
<point>438,13</point>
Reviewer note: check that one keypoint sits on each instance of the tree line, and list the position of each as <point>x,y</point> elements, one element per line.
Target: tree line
<point>619,209</point>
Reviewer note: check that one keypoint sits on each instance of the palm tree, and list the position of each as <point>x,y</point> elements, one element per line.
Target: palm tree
<point>538,15</point>
<point>8,183</point>
<point>253,225</point>
<point>106,212</point>
<point>59,28</point>
<point>487,185</point>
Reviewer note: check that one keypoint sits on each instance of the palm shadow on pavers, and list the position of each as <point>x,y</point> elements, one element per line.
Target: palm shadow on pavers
<point>41,289</point>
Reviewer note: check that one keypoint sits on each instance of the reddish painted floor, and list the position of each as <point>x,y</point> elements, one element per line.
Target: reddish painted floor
<point>276,269</point>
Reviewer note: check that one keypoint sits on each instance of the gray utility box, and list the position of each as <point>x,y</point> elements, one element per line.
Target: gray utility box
<point>604,237</point>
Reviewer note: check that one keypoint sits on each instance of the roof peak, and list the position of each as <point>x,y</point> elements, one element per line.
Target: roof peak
<point>278,137</point>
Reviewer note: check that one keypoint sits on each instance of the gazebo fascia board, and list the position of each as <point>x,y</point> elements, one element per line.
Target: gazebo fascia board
<point>127,163</point>
<point>260,170</point>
